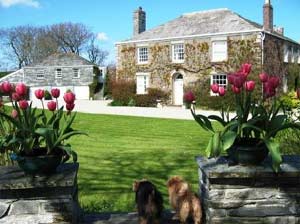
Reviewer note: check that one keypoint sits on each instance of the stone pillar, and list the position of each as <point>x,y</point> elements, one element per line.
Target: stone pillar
<point>268,16</point>
<point>139,21</point>
<point>250,194</point>
<point>39,199</point>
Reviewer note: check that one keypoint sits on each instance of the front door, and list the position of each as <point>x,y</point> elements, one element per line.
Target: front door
<point>178,89</point>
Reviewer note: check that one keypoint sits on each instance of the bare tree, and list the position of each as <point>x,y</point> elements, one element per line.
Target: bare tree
<point>71,37</point>
<point>27,44</point>
<point>95,53</point>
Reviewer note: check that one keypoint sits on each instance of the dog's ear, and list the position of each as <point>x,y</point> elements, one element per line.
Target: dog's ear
<point>135,185</point>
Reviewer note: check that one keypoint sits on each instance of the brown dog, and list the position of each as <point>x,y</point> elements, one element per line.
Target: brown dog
<point>183,200</point>
<point>149,202</point>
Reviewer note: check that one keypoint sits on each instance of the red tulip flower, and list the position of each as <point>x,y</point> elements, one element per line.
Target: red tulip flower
<point>214,88</point>
<point>269,90</point>
<point>70,106</point>
<point>189,97</point>
<point>55,92</point>
<point>235,89</point>
<point>274,81</point>
<point>6,87</point>
<point>222,91</point>
<point>14,113</point>
<point>69,97</point>
<point>238,80</point>
<point>246,69</point>
<point>249,86</point>
<point>230,78</point>
<point>263,77</point>
<point>23,104</point>
<point>21,89</point>
<point>16,97</point>
<point>51,105</point>
<point>39,94</point>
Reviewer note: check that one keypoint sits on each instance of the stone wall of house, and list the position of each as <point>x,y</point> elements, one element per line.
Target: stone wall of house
<point>197,64</point>
<point>86,74</point>
<point>249,194</point>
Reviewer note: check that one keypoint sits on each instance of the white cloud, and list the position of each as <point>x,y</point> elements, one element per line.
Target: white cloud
<point>102,36</point>
<point>9,3</point>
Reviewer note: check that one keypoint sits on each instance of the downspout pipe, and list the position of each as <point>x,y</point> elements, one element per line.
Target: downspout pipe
<point>262,37</point>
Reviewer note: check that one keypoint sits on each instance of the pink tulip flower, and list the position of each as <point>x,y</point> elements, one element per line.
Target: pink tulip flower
<point>23,104</point>
<point>39,94</point>
<point>6,87</point>
<point>214,88</point>
<point>222,91</point>
<point>16,97</point>
<point>70,106</point>
<point>246,69</point>
<point>249,86</point>
<point>235,89</point>
<point>189,97</point>
<point>51,105</point>
<point>69,97</point>
<point>55,92</point>
<point>274,81</point>
<point>21,89</point>
<point>263,77</point>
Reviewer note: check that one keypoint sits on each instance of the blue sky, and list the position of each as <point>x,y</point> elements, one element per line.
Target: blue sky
<point>112,19</point>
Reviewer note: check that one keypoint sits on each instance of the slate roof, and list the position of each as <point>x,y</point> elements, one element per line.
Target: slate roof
<point>200,23</point>
<point>63,59</point>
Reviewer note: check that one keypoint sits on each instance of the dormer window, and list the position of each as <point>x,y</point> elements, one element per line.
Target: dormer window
<point>178,52</point>
<point>58,73</point>
<point>142,55</point>
<point>40,74</point>
<point>219,50</point>
<point>76,73</point>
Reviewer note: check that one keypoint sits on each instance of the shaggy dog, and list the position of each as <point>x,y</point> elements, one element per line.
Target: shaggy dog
<point>184,201</point>
<point>149,202</point>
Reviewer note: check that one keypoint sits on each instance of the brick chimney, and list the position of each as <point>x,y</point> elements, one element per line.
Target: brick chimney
<point>268,16</point>
<point>139,21</point>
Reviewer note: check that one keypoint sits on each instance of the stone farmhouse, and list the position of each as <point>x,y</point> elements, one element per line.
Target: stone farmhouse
<point>66,71</point>
<point>203,45</point>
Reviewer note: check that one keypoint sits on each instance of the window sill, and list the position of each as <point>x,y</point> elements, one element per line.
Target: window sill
<point>142,63</point>
<point>178,62</point>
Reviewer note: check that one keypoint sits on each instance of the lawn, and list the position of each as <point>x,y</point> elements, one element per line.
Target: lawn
<point>121,149</point>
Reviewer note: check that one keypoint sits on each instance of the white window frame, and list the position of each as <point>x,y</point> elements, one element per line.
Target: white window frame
<point>143,55</point>
<point>286,53</point>
<point>40,74</point>
<point>222,54</point>
<point>76,73</point>
<point>145,77</point>
<point>58,75</point>
<point>221,81</point>
<point>178,52</point>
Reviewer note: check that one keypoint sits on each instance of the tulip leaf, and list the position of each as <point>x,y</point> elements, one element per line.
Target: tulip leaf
<point>208,150</point>
<point>228,139</point>
<point>273,147</point>
<point>216,144</point>
<point>217,118</point>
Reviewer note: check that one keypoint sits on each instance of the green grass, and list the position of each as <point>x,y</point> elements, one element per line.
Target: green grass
<point>121,149</point>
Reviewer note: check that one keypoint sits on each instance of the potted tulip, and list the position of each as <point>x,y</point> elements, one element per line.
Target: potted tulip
<point>249,136</point>
<point>37,139</point>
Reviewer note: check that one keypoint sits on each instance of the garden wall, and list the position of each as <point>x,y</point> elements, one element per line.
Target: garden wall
<point>245,194</point>
<point>39,199</point>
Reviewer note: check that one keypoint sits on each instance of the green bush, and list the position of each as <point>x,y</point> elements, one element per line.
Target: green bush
<point>150,99</point>
<point>122,92</point>
<point>290,100</point>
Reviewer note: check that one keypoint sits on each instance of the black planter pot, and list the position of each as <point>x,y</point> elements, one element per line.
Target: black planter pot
<point>38,164</point>
<point>248,151</point>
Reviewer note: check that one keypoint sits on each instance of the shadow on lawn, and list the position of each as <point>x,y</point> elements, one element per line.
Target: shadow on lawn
<point>115,178</point>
